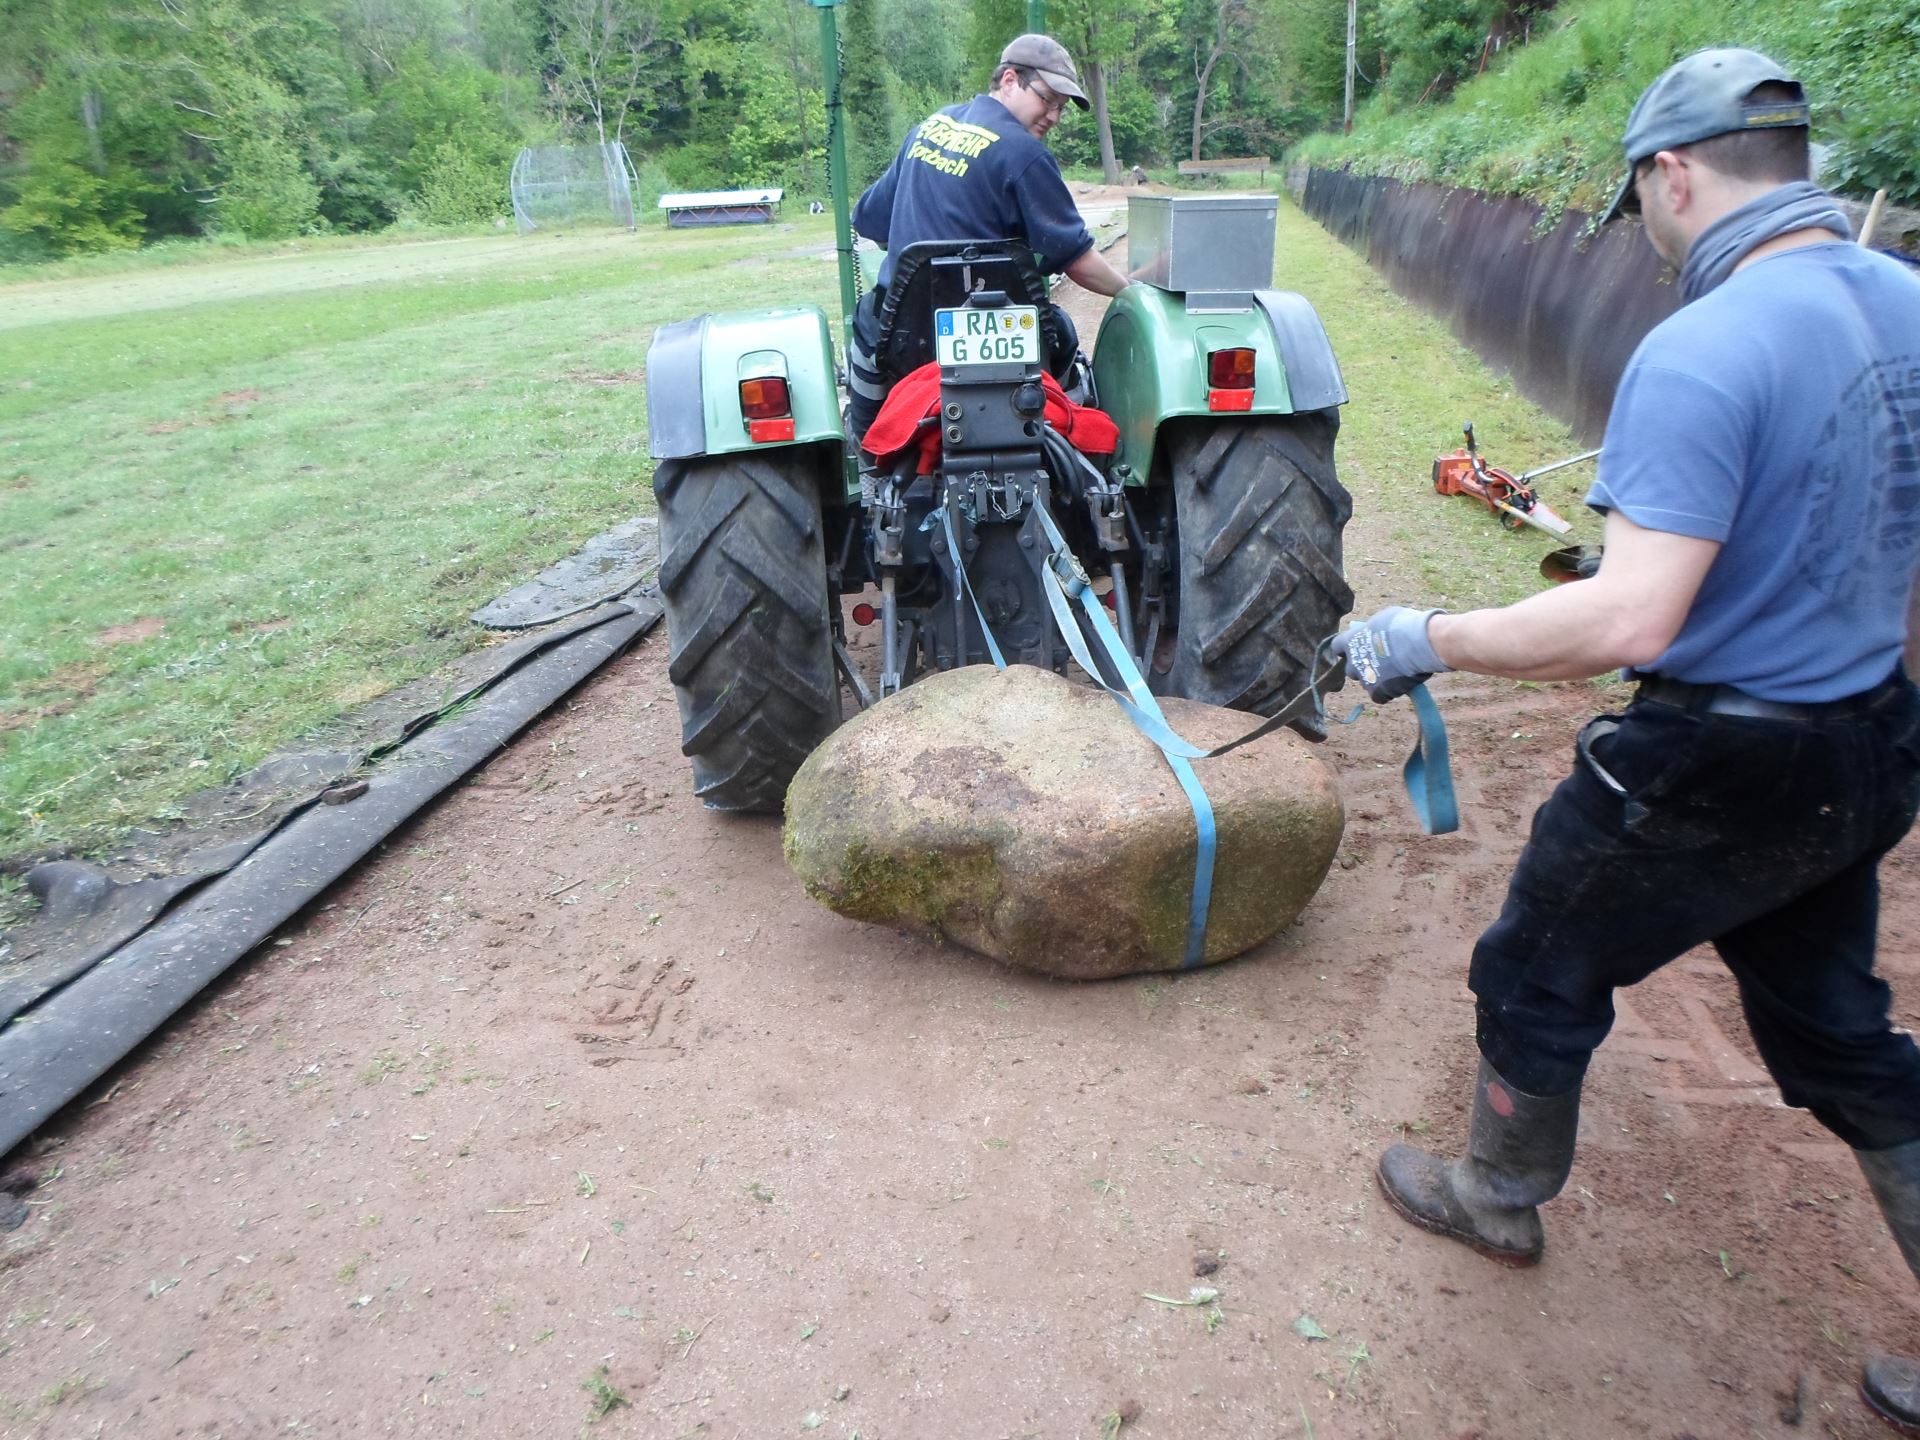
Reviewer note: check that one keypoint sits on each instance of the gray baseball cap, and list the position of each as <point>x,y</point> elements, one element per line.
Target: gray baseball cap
<point>1049,59</point>
<point>1704,95</point>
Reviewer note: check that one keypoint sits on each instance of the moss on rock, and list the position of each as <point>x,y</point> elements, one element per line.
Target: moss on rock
<point>1024,816</point>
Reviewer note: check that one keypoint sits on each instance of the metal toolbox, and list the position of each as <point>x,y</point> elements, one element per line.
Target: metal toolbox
<point>1186,243</point>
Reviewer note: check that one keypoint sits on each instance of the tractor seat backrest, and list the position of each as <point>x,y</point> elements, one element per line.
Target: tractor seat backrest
<point>921,286</point>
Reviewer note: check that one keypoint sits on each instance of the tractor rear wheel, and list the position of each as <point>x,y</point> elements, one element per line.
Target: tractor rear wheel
<point>743,573</point>
<point>1259,514</point>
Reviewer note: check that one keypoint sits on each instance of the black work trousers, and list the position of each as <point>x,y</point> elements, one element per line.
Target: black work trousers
<point>1680,827</point>
<point>866,385</point>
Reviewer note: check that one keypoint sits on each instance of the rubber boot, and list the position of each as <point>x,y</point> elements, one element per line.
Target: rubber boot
<point>1890,1384</point>
<point>1519,1151</point>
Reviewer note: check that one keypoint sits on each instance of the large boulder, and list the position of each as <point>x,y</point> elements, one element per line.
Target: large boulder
<point>1025,817</point>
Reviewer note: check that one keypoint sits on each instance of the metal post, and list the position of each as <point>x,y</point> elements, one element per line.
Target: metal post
<point>837,162</point>
<point>1037,17</point>
<point>889,639</point>
<point>1352,18</point>
<point>1123,610</point>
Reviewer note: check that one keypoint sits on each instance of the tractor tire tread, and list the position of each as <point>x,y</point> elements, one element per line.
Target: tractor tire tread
<point>1260,514</point>
<point>750,642</point>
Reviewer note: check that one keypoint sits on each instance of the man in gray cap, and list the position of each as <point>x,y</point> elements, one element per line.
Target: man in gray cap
<point>980,171</point>
<point>1761,487</point>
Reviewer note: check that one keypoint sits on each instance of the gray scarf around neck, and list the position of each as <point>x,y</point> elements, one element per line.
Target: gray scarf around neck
<point>1725,243</point>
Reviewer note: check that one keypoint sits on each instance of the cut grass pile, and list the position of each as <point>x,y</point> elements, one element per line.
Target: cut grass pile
<point>238,499</point>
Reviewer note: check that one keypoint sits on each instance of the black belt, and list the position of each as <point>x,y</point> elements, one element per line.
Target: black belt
<point>1726,700</point>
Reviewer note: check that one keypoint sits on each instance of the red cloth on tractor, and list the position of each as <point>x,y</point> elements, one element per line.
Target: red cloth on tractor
<point>911,416</point>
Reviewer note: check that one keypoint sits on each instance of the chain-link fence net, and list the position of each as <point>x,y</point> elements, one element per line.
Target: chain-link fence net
<point>573,185</point>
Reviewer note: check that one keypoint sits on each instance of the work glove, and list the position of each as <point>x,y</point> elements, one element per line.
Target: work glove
<point>1388,652</point>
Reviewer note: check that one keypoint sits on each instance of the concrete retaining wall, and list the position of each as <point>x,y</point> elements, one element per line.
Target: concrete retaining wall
<point>1560,316</point>
<point>1559,313</point>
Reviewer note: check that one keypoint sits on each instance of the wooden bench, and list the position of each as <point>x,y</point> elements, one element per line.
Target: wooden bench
<point>1237,165</point>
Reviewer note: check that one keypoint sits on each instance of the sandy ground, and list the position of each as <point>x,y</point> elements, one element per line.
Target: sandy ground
<point>570,1114</point>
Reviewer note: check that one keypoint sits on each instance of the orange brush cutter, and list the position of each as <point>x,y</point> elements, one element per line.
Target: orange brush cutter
<point>1509,496</point>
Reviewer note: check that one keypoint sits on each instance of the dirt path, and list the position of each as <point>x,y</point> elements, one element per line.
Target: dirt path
<point>573,1102</point>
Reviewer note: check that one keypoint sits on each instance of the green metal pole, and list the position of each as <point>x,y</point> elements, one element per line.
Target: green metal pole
<point>837,162</point>
<point>1037,16</point>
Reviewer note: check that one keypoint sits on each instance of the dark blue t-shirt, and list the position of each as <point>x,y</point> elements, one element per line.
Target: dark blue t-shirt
<point>1779,415</point>
<point>973,172</point>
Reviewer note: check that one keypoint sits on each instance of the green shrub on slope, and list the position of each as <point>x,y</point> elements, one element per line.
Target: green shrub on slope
<point>1545,120</point>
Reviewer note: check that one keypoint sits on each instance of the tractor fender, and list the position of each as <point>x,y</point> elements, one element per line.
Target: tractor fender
<point>1313,374</point>
<point>1150,362</point>
<point>676,425</point>
<point>694,370</point>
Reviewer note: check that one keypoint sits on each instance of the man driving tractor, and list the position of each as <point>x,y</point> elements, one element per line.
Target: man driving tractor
<point>981,171</point>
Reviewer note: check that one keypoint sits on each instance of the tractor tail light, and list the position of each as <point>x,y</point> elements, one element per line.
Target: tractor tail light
<point>1230,379</point>
<point>768,411</point>
<point>764,399</point>
<point>863,614</point>
<point>1230,369</point>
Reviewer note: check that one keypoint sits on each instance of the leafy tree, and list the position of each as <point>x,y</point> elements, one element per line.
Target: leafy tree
<point>1307,40</point>
<point>866,87</point>
<point>1095,31</point>
<point>925,42</point>
<point>61,207</point>
<point>994,23</point>
<point>1217,34</point>
<point>430,100</point>
<point>773,144</point>
<point>460,188</point>
<point>604,54</point>
<point>1432,45</point>
<point>267,193</point>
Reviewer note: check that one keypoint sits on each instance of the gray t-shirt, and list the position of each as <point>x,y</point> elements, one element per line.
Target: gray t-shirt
<point>1780,415</point>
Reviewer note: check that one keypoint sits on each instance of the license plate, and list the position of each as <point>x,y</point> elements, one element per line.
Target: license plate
<point>1007,336</point>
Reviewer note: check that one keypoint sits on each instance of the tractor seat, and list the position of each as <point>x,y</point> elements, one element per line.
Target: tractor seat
<point>921,286</point>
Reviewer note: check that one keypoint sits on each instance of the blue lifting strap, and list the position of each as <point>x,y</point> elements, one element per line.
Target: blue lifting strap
<point>1428,773</point>
<point>960,569</point>
<point>1144,710</point>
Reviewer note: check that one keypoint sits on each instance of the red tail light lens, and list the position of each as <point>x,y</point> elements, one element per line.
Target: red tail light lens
<point>1230,369</point>
<point>863,614</point>
<point>764,399</point>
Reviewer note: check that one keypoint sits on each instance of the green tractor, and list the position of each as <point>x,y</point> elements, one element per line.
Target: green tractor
<point>1215,523</point>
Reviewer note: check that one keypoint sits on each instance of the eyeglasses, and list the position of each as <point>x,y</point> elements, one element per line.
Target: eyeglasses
<point>1056,104</point>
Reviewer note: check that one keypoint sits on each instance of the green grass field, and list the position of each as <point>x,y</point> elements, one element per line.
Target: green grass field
<point>239,497</point>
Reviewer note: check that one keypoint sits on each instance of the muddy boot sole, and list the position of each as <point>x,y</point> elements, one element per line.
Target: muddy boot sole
<point>1440,1224</point>
<point>1890,1386</point>
<point>1894,1422</point>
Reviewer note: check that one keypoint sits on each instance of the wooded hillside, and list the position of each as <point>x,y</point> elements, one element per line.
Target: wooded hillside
<point>1529,99</point>
<point>128,121</point>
